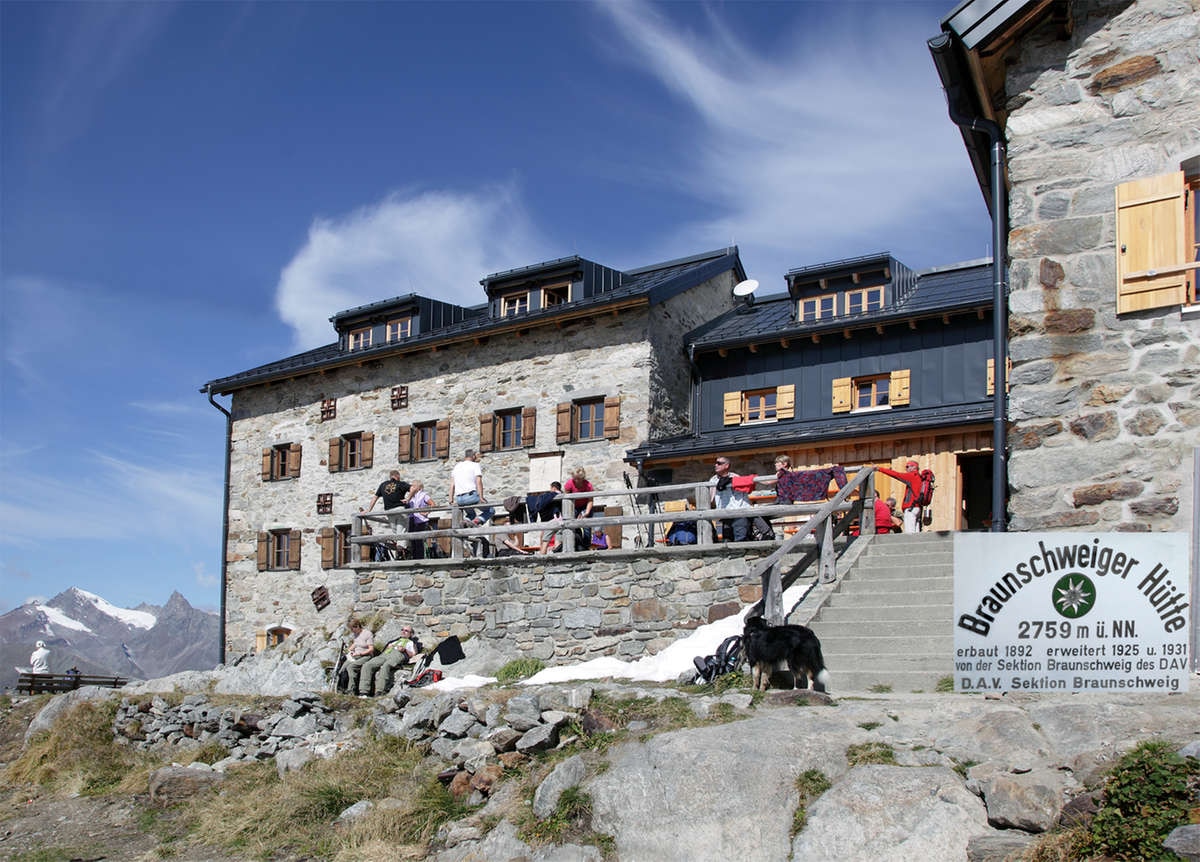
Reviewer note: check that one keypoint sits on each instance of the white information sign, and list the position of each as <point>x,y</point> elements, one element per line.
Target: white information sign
<point>1071,612</point>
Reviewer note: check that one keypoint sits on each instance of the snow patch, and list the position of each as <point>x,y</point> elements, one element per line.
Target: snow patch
<point>58,618</point>
<point>137,619</point>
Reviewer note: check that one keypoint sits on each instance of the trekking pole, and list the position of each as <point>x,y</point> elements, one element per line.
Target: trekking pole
<point>639,540</point>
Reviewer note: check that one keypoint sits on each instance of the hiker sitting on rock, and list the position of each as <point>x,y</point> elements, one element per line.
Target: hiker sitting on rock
<point>381,670</point>
<point>361,649</point>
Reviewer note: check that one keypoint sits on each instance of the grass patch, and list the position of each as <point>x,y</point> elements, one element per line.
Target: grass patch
<point>257,813</point>
<point>945,685</point>
<point>870,725</point>
<point>519,669</point>
<point>78,755</point>
<point>53,854</point>
<point>880,688</point>
<point>571,823</point>
<point>864,753</point>
<point>810,784</point>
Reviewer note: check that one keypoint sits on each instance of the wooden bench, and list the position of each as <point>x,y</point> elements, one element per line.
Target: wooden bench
<point>53,683</point>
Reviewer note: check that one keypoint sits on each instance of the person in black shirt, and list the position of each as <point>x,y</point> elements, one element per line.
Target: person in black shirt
<point>394,492</point>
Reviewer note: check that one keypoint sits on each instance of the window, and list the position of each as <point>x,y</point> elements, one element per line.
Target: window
<point>517,303</point>
<point>1158,241</point>
<point>508,429</point>
<point>351,452</point>
<point>324,504</point>
<point>760,405</point>
<point>281,461</point>
<point>337,551</point>
<point>279,550</point>
<point>864,299</point>
<point>588,419</point>
<point>399,397</point>
<point>817,308</point>
<point>360,339</point>
<point>556,294</point>
<point>425,441</point>
<point>871,392</point>
<point>328,409</point>
<point>399,329</point>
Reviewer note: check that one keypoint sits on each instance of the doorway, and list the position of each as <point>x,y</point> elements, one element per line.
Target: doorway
<point>975,472</point>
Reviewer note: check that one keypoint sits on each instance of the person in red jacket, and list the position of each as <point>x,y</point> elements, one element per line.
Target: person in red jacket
<point>885,516</point>
<point>911,477</point>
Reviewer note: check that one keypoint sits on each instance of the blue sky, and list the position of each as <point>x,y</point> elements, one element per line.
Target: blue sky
<point>188,190</point>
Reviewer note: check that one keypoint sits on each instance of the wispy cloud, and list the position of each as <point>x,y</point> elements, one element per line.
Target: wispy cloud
<point>93,46</point>
<point>807,153</point>
<point>437,243</point>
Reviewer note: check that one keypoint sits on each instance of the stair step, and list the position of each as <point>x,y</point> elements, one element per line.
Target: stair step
<point>850,682</point>
<point>877,598</point>
<point>877,614</point>
<point>829,629</point>
<point>914,585</point>
<point>889,644</point>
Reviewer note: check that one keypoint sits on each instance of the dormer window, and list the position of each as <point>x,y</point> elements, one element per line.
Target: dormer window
<point>514,304</point>
<point>864,299</point>
<point>399,329</point>
<point>817,308</point>
<point>359,339</point>
<point>556,294</point>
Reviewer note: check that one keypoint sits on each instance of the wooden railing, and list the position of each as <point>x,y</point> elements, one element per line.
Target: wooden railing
<point>647,520</point>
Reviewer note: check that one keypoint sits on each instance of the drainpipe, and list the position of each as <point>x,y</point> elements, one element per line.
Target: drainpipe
<point>940,47</point>
<point>224,524</point>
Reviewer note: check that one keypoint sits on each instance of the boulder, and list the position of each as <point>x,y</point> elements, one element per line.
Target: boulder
<point>172,784</point>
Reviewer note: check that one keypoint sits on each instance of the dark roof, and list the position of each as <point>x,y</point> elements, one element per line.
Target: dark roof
<point>777,435</point>
<point>652,284</point>
<point>962,286</point>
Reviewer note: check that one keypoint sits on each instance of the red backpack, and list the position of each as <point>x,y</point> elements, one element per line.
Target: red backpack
<point>925,495</point>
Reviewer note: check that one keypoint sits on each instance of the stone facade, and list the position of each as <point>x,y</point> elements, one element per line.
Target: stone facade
<point>1103,407</point>
<point>623,603</point>
<point>628,353</point>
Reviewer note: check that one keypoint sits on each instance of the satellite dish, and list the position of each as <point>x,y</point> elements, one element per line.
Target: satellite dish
<point>745,288</point>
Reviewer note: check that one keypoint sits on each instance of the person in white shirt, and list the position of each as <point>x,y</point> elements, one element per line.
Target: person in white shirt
<point>725,496</point>
<point>362,648</point>
<point>39,660</point>
<point>466,488</point>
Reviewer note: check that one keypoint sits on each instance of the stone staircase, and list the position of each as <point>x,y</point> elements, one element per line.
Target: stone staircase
<point>889,621</point>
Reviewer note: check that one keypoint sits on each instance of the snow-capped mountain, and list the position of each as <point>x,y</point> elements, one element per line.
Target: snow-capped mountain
<point>83,630</point>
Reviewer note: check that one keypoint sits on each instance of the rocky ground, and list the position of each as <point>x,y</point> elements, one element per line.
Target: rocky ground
<point>974,778</point>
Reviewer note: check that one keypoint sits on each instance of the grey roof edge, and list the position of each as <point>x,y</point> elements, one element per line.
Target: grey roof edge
<point>845,263</point>
<point>777,436</point>
<point>697,275</point>
<point>373,306</point>
<point>535,267</point>
<point>330,354</point>
<point>909,309</point>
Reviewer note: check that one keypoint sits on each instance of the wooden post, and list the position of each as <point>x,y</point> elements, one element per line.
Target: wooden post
<point>773,595</point>
<point>704,527</point>
<point>567,537</point>
<point>456,543</point>
<point>828,559</point>
<point>866,521</point>
<point>614,534</point>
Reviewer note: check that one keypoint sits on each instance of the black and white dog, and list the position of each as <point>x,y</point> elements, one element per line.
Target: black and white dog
<point>767,646</point>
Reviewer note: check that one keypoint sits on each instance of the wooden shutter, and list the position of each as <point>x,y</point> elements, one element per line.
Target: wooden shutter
<point>368,449</point>
<point>327,538</point>
<point>442,438</point>
<point>404,446</point>
<point>294,549</point>
<point>898,388</point>
<point>562,423</point>
<point>612,417</point>
<point>487,430</point>
<point>293,460</point>
<point>264,551</point>
<point>733,408</point>
<point>1152,263</point>
<point>266,465</point>
<point>843,394</point>
<point>991,376</point>
<point>335,454</point>
<point>785,402</point>
<point>528,427</point>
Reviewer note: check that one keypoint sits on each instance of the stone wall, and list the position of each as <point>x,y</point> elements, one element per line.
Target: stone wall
<point>621,603</point>
<point>1104,409</point>
<point>606,355</point>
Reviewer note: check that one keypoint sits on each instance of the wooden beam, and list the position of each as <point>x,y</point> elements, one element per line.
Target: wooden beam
<point>847,334</point>
<point>753,348</point>
<point>856,277</point>
<point>816,338</point>
<point>946,319</point>
<point>722,352</point>
<point>879,329</point>
<point>785,343</point>
<point>912,324</point>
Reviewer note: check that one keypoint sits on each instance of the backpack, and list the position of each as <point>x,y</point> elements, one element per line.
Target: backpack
<point>426,677</point>
<point>725,660</point>
<point>925,495</point>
